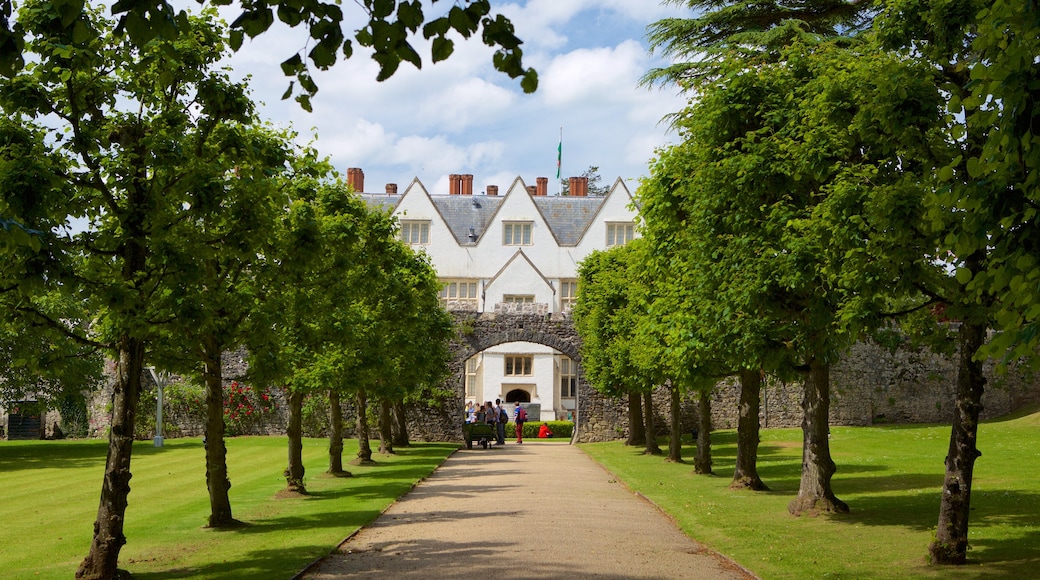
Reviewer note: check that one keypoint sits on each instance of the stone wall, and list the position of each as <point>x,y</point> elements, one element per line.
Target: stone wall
<point>869,385</point>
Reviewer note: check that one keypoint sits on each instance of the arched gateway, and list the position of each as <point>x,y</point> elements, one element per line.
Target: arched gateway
<point>477,333</point>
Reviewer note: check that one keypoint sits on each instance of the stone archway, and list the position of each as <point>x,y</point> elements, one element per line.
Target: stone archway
<point>596,417</point>
<point>477,333</point>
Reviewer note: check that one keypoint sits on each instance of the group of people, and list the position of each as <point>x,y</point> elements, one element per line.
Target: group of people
<point>496,414</point>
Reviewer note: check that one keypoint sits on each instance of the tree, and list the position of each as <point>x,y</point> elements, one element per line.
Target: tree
<point>42,364</point>
<point>592,174</point>
<point>606,316</point>
<point>984,205</point>
<point>127,123</point>
<point>385,33</point>
<point>329,246</point>
<point>228,230</point>
<point>795,183</point>
<point>698,46</point>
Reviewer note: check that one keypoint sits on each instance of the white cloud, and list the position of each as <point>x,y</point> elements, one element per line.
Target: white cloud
<point>599,74</point>
<point>462,116</point>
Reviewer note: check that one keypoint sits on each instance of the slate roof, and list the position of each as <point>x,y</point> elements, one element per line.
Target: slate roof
<point>381,202</point>
<point>462,212</point>
<point>567,217</point>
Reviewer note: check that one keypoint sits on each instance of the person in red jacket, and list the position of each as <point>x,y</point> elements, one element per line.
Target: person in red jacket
<point>544,432</point>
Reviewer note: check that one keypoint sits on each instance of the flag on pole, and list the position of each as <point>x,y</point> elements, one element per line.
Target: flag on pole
<point>559,154</point>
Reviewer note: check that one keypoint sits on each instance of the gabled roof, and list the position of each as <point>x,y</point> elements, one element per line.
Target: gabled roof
<point>568,217</point>
<point>463,212</point>
<point>469,216</point>
<point>521,256</point>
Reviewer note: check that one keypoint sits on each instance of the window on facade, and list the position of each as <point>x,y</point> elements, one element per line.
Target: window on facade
<point>471,378</point>
<point>458,291</point>
<point>516,233</point>
<point>518,299</point>
<point>519,365</point>
<point>415,232</point>
<point>620,233</point>
<point>568,293</point>
<point>568,378</point>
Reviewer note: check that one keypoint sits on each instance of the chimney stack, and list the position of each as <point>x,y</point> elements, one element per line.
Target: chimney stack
<point>391,189</point>
<point>356,179</point>
<point>542,186</point>
<point>579,186</point>
<point>492,190</point>
<point>531,190</point>
<point>467,183</point>
<point>454,184</point>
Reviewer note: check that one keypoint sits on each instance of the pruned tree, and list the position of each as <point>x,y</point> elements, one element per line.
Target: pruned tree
<point>607,314</point>
<point>129,121</point>
<point>800,198</point>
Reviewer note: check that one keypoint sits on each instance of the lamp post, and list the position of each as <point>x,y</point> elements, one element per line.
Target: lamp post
<point>161,379</point>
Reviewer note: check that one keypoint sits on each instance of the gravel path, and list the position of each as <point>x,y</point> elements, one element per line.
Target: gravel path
<point>537,510</point>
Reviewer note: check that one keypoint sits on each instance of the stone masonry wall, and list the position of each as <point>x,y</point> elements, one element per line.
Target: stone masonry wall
<point>870,385</point>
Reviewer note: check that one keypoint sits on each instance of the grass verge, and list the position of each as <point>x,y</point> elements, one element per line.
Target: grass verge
<point>51,491</point>
<point>891,477</point>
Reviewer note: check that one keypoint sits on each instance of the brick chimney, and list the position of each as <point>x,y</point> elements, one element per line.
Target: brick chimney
<point>492,190</point>
<point>356,179</point>
<point>391,189</point>
<point>467,183</point>
<point>531,190</point>
<point>542,185</point>
<point>454,184</point>
<point>579,186</point>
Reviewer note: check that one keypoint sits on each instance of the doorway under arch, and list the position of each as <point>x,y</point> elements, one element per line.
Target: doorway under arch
<point>518,396</point>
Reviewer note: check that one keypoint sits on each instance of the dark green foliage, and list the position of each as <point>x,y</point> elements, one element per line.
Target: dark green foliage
<point>560,429</point>
<point>73,410</point>
<point>387,32</point>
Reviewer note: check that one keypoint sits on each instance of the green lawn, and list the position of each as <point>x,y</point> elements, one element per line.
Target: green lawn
<point>891,478</point>
<point>51,491</point>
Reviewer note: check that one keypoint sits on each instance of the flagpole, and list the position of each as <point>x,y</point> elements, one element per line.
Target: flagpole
<point>559,164</point>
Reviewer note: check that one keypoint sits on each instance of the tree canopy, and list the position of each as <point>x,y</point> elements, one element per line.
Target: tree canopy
<point>385,29</point>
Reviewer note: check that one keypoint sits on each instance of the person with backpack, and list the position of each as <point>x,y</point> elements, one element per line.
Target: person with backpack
<point>519,418</point>
<point>500,426</point>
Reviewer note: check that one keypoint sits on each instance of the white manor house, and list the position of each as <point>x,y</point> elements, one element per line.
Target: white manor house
<point>515,253</point>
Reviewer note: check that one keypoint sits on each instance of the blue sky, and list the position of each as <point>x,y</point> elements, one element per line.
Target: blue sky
<point>462,116</point>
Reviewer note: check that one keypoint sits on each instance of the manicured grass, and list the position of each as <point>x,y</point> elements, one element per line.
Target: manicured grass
<point>51,491</point>
<point>890,476</point>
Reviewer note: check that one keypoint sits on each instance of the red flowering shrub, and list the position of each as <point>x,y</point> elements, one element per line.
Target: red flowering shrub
<point>245,407</point>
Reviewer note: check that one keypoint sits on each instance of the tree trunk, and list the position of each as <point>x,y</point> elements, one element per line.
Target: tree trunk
<point>814,491</point>
<point>674,441</point>
<point>636,429</point>
<point>651,430</point>
<point>702,463</point>
<point>400,425</point>
<point>364,453</point>
<point>951,535</point>
<point>102,561</point>
<point>294,430</point>
<point>335,436</point>
<point>217,481</point>
<point>745,475</point>
<point>386,435</point>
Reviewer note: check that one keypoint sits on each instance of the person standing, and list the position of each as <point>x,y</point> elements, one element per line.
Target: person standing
<point>519,418</point>
<point>500,426</point>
